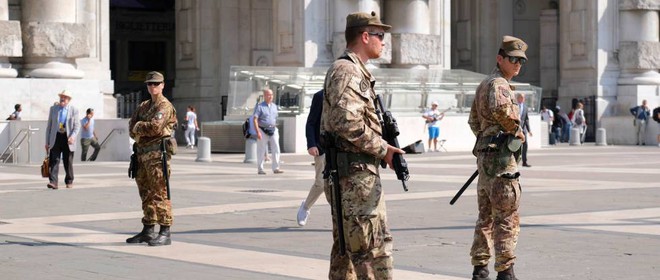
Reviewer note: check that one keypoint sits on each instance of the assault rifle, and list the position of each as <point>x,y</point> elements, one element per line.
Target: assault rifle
<point>332,171</point>
<point>390,132</point>
<point>465,186</point>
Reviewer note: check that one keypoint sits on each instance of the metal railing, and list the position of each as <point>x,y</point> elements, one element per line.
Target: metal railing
<point>15,144</point>
<point>112,132</point>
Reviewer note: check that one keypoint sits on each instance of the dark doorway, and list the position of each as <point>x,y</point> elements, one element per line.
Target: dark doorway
<point>142,39</point>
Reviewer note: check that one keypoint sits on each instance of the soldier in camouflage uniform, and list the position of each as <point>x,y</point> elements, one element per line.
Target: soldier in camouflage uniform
<point>349,116</point>
<point>152,123</point>
<point>495,110</point>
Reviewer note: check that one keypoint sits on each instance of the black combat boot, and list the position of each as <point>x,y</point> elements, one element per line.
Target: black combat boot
<point>146,235</point>
<point>507,274</point>
<point>480,272</point>
<point>163,237</point>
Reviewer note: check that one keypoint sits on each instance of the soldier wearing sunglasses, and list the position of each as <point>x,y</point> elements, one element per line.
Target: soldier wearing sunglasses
<point>151,126</point>
<point>495,120</point>
<point>349,118</point>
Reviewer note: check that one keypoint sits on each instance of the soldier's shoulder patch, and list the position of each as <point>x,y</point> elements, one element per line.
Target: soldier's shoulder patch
<point>364,85</point>
<point>503,90</point>
<point>354,83</point>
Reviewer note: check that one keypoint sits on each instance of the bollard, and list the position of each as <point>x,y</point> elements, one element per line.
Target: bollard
<point>601,137</point>
<point>575,137</point>
<point>250,151</point>
<point>204,149</point>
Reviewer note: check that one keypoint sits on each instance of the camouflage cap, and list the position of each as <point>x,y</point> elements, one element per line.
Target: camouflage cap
<point>154,76</point>
<point>364,19</point>
<point>513,46</point>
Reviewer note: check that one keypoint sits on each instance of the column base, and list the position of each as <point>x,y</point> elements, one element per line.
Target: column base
<point>57,70</point>
<point>645,78</point>
<point>8,73</point>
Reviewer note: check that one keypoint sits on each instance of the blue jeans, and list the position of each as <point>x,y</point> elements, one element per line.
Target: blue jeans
<point>566,132</point>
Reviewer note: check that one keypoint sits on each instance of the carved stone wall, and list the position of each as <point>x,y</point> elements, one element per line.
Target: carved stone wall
<point>288,33</point>
<point>640,55</point>
<point>416,49</point>
<point>10,38</point>
<point>187,35</point>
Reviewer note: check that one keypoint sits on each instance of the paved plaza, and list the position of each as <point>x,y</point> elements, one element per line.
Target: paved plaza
<point>587,212</point>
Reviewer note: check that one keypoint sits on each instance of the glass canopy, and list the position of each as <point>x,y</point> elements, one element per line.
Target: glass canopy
<point>403,90</point>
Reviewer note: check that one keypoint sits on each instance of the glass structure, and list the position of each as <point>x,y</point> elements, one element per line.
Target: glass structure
<point>405,91</point>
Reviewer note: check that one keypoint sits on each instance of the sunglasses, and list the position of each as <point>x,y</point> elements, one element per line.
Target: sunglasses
<point>380,35</point>
<point>515,59</point>
<point>154,84</point>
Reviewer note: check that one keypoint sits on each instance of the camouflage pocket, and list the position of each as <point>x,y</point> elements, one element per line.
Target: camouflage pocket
<point>363,234</point>
<point>498,162</point>
<point>171,146</point>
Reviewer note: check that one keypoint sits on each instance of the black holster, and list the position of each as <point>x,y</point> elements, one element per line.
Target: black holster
<point>133,166</point>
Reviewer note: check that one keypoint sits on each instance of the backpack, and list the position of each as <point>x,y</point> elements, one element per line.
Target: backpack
<point>578,118</point>
<point>246,128</point>
<point>656,112</point>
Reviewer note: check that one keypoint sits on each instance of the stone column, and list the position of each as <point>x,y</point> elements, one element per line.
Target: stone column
<point>639,48</point>
<point>549,50</point>
<point>52,39</point>
<point>344,7</point>
<point>95,15</point>
<point>639,44</point>
<point>413,46</point>
<point>10,42</point>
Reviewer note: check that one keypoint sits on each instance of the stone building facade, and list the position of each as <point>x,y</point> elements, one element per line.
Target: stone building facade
<point>605,51</point>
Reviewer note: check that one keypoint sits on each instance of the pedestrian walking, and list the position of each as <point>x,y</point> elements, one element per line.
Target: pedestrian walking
<point>265,120</point>
<point>88,136</point>
<point>191,126</point>
<point>62,129</point>
<point>312,133</point>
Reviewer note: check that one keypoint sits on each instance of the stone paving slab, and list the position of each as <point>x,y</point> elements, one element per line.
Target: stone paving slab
<point>587,213</point>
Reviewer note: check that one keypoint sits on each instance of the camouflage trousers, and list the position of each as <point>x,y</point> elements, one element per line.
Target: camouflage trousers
<point>156,208</point>
<point>498,223</point>
<point>368,239</point>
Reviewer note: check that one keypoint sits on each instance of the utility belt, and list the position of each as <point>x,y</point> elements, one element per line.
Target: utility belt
<point>170,146</point>
<point>146,149</point>
<point>359,157</point>
<point>488,150</point>
<point>346,160</point>
<point>499,150</point>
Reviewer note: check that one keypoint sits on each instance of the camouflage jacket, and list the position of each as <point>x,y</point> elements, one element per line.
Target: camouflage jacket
<point>349,110</point>
<point>152,121</point>
<point>494,109</point>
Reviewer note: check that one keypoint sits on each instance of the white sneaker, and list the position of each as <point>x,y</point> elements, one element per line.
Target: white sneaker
<point>302,214</point>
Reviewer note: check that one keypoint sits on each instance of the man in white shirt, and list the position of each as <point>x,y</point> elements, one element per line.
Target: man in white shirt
<point>547,116</point>
<point>433,117</point>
